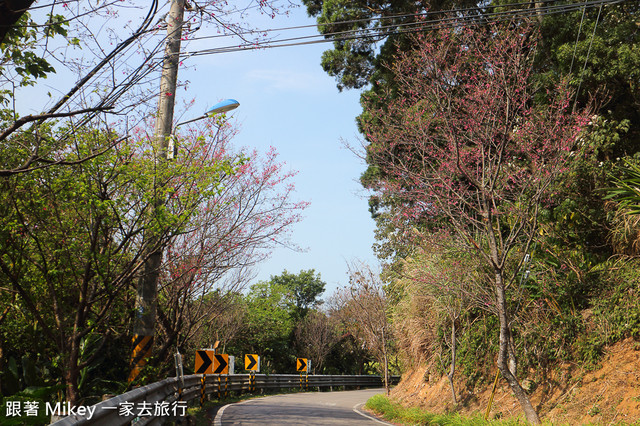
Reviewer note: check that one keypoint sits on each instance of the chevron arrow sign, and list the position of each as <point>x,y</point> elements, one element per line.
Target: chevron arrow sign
<point>301,364</point>
<point>204,361</point>
<point>252,362</point>
<point>221,364</point>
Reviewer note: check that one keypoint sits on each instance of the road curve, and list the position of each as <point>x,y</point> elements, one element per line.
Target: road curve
<point>309,409</point>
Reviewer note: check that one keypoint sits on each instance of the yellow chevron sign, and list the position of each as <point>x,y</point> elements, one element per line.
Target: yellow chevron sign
<point>252,362</point>
<point>204,361</point>
<point>301,364</point>
<point>221,364</point>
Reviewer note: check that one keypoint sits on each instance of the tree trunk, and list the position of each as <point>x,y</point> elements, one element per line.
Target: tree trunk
<point>71,375</point>
<point>386,362</point>
<point>504,355</point>
<point>386,373</point>
<point>452,369</point>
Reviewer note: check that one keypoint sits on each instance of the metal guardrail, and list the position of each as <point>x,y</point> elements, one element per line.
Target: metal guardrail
<point>158,402</point>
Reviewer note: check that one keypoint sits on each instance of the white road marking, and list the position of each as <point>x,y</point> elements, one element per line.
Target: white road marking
<point>218,420</point>
<point>356,409</point>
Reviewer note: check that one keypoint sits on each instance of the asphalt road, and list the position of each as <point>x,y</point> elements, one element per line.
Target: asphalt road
<point>308,409</point>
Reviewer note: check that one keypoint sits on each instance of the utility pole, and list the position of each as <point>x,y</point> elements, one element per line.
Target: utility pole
<point>147,287</point>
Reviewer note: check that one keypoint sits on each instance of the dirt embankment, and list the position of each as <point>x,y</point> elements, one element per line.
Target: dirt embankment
<point>568,395</point>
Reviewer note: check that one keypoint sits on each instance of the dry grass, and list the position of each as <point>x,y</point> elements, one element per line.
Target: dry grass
<point>570,396</point>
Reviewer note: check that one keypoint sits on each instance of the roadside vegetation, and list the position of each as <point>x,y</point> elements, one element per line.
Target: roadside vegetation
<point>399,414</point>
<point>503,175</point>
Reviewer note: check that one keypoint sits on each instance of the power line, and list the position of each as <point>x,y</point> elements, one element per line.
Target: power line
<point>381,18</point>
<point>595,27</point>
<point>465,16</point>
<point>405,28</point>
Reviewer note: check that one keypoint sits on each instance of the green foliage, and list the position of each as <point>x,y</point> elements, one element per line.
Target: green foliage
<point>627,190</point>
<point>477,347</point>
<point>605,61</point>
<point>396,412</point>
<point>38,396</point>
<point>268,327</point>
<point>355,63</point>
<point>65,247</point>
<point>279,315</point>
<point>348,356</point>
<point>19,62</point>
<point>304,290</point>
<point>614,315</point>
<point>72,240</point>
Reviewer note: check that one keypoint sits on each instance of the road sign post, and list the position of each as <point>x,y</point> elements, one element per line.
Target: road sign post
<point>179,373</point>
<point>252,381</point>
<point>302,366</point>
<point>232,365</point>
<point>203,388</point>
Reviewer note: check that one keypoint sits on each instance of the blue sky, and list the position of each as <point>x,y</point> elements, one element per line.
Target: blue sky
<point>286,101</point>
<point>289,102</point>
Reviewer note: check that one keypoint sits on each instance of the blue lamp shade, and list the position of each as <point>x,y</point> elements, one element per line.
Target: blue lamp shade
<point>223,106</point>
<point>220,107</point>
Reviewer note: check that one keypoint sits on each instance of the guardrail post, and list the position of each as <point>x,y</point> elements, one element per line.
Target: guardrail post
<point>179,373</point>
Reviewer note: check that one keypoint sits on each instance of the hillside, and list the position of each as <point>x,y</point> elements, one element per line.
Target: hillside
<point>570,395</point>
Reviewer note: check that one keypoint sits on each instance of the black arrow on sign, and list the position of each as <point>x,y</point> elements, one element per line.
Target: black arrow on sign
<point>222,364</point>
<point>252,362</point>
<point>302,364</point>
<point>206,362</point>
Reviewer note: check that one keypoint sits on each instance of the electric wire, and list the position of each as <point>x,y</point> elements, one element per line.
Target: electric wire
<point>375,18</point>
<point>473,16</point>
<point>575,46</point>
<point>404,28</point>
<point>586,60</point>
<point>459,11</point>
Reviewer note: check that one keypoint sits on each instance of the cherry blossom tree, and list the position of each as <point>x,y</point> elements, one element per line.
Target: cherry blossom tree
<point>467,144</point>
<point>363,308</point>
<point>230,232</point>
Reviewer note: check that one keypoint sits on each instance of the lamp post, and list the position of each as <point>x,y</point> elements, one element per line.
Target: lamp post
<point>146,288</point>
<point>144,327</point>
<point>219,108</point>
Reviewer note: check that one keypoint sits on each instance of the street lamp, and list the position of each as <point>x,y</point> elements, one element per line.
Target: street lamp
<point>220,107</point>
<point>145,320</point>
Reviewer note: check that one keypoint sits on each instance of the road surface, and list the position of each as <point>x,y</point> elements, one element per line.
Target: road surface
<point>308,409</point>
